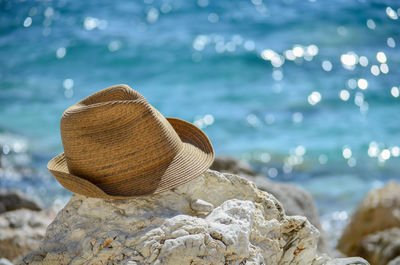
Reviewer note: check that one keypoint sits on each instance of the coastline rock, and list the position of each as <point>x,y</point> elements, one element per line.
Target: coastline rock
<point>247,226</point>
<point>227,164</point>
<point>295,200</point>
<point>4,261</point>
<point>379,210</point>
<point>382,247</point>
<point>22,230</point>
<point>395,261</point>
<point>11,200</point>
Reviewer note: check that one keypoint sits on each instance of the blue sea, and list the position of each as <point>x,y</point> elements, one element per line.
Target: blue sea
<point>305,91</point>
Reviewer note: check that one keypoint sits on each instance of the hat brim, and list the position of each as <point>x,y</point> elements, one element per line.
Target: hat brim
<point>196,156</point>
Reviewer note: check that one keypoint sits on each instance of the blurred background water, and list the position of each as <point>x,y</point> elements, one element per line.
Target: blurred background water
<point>306,91</point>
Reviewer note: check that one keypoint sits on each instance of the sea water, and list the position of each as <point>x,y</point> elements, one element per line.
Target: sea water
<point>306,91</point>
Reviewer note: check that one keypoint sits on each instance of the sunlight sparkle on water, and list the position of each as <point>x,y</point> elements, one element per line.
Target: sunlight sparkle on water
<point>390,42</point>
<point>272,172</point>
<point>290,55</point>
<point>27,22</point>
<point>344,95</point>
<point>268,54</point>
<point>346,152</point>
<point>200,42</point>
<point>395,92</point>
<point>384,155</point>
<point>152,15</point>
<point>249,45</point>
<point>352,83</point>
<point>362,83</point>
<point>375,70</point>
<point>359,99</point>
<point>300,150</point>
<point>91,23</point>
<point>395,150</point>
<point>314,98</point>
<point>213,18</point>
<point>327,65</point>
<point>391,13</point>
<point>205,121</point>
<point>381,57</point>
<point>312,50</point>
<point>384,68</point>
<point>363,61</point>
<point>349,60</point>
<point>61,52</point>
<point>323,159</point>
<point>371,24</point>
<point>352,162</point>
<point>68,83</point>
<point>114,46</point>
<point>373,149</point>
<point>277,74</point>
<point>298,51</point>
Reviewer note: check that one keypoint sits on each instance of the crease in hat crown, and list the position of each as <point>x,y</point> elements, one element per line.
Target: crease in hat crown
<point>116,145</point>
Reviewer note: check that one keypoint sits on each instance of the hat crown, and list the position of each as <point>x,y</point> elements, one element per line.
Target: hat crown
<point>116,134</point>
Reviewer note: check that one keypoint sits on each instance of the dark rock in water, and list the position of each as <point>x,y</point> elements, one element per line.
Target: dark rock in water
<point>13,200</point>
<point>379,211</point>
<point>229,164</point>
<point>294,199</point>
<point>382,247</point>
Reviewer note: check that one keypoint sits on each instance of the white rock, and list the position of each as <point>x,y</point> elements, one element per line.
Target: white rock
<point>247,226</point>
<point>201,206</point>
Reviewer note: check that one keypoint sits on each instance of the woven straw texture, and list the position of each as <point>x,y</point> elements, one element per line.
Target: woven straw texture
<point>116,145</point>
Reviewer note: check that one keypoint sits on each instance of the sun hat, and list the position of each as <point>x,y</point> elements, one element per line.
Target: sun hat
<point>117,146</point>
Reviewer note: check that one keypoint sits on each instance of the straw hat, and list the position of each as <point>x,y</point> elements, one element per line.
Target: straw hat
<point>116,145</point>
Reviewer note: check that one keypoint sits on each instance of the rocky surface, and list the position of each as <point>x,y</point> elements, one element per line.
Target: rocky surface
<point>382,247</point>
<point>379,211</point>
<point>395,261</point>
<point>22,230</point>
<point>295,200</point>
<point>244,226</point>
<point>227,164</point>
<point>12,200</point>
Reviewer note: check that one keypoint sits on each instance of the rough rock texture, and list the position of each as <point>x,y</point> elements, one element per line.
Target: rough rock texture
<point>13,200</point>
<point>395,261</point>
<point>21,231</point>
<point>379,210</point>
<point>294,199</point>
<point>247,226</point>
<point>4,261</point>
<point>381,247</point>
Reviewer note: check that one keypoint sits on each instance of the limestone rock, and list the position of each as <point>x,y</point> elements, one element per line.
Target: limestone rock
<point>395,261</point>
<point>325,260</point>
<point>13,200</point>
<point>295,200</point>
<point>22,230</point>
<point>4,261</point>
<point>201,206</point>
<point>381,247</point>
<point>247,226</point>
<point>379,210</point>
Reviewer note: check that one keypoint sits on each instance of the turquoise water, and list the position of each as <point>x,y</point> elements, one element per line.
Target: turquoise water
<point>307,91</point>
